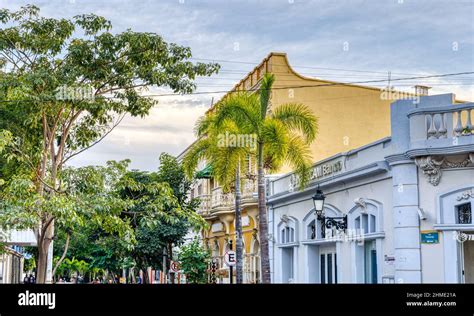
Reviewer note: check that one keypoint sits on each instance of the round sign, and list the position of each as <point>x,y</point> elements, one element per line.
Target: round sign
<point>174,266</point>
<point>229,258</point>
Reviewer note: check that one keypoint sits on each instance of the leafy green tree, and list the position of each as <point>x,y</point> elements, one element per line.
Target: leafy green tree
<point>157,214</point>
<point>152,240</point>
<point>194,260</point>
<point>74,91</point>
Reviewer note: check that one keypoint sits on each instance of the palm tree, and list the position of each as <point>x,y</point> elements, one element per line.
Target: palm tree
<point>283,135</point>
<point>225,162</point>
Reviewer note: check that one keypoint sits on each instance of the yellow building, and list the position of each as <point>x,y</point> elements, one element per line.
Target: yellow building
<point>349,116</point>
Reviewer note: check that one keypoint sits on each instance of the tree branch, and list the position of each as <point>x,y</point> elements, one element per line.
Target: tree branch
<point>66,246</point>
<point>94,143</point>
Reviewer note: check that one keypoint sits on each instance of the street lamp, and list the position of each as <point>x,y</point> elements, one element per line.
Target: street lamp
<point>318,200</point>
<point>340,223</point>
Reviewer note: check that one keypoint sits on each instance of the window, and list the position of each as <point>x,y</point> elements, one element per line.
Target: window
<point>288,238</point>
<point>464,214</point>
<point>365,219</point>
<point>287,235</point>
<point>365,223</point>
<point>314,228</point>
<point>287,231</point>
<point>328,265</point>
<point>311,230</point>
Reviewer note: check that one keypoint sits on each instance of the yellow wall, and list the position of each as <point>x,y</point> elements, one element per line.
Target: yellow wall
<point>349,116</point>
<point>247,231</point>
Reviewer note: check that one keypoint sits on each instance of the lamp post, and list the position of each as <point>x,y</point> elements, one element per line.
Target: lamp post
<point>340,223</point>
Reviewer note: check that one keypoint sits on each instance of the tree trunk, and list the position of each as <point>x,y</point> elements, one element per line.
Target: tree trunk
<point>262,220</point>
<point>238,228</point>
<point>66,246</point>
<point>43,247</point>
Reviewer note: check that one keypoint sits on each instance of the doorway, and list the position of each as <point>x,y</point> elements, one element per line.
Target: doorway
<point>467,261</point>
<point>328,265</point>
<point>287,265</point>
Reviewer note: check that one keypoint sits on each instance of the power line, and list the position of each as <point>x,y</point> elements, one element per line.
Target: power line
<point>328,84</point>
<point>306,67</point>
<point>285,87</point>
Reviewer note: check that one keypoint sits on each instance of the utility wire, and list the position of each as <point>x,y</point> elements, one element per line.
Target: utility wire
<point>306,67</point>
<point>284,87</point>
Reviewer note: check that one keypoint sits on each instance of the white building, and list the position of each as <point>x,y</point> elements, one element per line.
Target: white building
<point>408,201</point>
<point>11,260</point>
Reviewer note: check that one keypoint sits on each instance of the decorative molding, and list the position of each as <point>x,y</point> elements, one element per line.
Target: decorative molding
<point>432,166</point>
<point>459,164</point>
<point>361,202</point>
<point>466,195</point>
<point>284,218</point>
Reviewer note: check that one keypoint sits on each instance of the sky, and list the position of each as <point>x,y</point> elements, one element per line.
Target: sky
<point>362,39</point>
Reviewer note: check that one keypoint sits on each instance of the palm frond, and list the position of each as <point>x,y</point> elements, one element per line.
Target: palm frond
<point>276,140</point>
<point>203,124</point>
<point>299,157</point>
<point>242,109</point>
<point>225,164</point>
<point>201,149</point>
<point>298,117</point>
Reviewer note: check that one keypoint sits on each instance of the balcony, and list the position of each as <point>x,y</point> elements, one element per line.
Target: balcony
<point>220,201</point>
<point>441,130</point>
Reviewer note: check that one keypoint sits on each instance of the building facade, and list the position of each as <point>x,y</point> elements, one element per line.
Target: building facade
<point>11,266</point>
<point>334,104</point>
<point>407,201</point>
<point>12,254</point>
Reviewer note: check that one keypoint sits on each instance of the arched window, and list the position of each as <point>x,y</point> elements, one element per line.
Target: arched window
<point>288,242</point>
<point>255,265</point>
<point>216,256</point>
<point>365,218</point>
<point>313,226</point>
<point>287,230</point>
<point>365,221</point>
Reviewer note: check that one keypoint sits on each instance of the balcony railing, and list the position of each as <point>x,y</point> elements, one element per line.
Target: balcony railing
<point>437,128</point>
<point>442,122</point>
<point>220,200</point>
<point>205,206</point>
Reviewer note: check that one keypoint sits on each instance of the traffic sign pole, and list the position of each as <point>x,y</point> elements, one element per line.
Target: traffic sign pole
<point>231,267</point>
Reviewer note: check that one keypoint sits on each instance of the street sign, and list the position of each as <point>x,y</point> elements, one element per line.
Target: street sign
<point>229,258</point>
<point>174,266</point>
<point>429,237</point>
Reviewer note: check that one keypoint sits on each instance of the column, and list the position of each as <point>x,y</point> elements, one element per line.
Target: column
<point>406,221</point>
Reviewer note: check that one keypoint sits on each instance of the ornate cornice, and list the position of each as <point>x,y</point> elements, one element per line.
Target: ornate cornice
<point>466,195</point>
<point>432,166</point>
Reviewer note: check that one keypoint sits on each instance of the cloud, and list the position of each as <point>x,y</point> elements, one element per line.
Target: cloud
<point>402,36</point>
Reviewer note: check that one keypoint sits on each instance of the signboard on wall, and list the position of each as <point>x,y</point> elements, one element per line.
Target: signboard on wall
<point>429,237</point>
<point>318,172</point>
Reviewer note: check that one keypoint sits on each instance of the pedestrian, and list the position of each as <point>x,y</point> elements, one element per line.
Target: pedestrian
<point>26,279</point>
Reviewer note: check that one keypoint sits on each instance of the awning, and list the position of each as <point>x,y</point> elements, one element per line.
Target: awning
<point>205,173</point>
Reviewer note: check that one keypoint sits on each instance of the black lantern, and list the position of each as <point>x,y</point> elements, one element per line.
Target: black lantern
<point>318,200</point>
<point>340,223</point>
